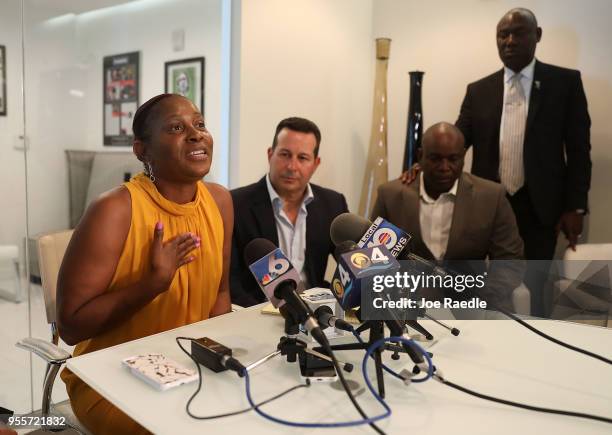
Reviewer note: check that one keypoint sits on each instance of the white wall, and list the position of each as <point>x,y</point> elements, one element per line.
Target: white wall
<point>316,59</point>
<point>309,58</point>
<point>313,59</point>
<point>454,43</point>
<point>64,83</point>
<point>147,27</point>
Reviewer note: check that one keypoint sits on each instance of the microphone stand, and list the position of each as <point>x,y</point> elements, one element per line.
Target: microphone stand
<point>293,347</point>
<point>454,331</point>
<point>396,326</point>
<point>414,324</point>
<point>377,331</point>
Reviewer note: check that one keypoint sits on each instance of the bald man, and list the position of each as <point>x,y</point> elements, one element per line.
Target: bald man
<point>529,127</point>
<point>452,215</point>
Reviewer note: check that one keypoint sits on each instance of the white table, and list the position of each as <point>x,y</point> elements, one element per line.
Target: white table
<point>500,358</point>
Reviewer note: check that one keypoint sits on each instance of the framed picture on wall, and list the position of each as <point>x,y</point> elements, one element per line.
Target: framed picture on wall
<point>121,92</point>
<point>186,77</point>
<point>2,80</point>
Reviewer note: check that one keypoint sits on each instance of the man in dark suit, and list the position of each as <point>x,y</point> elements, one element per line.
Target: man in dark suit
<point>530,130</point>
<point>454,216</point>
<point>286,209</point>
<point>540,152</point>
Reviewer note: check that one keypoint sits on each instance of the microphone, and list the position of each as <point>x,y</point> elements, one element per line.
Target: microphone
<point>355,267</point>
<point>383,232</point>
<point>349,227</point>
<point>325,317</point>
<point>343,248</point>
<point>317,297</point>
<point>352,227</point>
<point>278,279</point>
<point>336,283</point>
<point>267,263</point>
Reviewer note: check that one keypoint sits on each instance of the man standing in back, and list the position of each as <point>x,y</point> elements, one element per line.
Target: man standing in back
<point>530,130</point>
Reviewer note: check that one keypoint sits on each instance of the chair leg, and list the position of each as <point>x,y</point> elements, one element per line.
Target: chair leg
<point>54,340</point>
<point>52,370</point>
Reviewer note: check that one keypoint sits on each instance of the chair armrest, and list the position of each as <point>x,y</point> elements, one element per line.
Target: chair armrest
<point>48,351</point>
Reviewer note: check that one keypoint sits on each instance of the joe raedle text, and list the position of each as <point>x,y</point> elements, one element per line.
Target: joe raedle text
<point>409,304</point>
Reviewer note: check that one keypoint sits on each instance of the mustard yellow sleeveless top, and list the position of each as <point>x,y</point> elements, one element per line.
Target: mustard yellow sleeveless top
<point>193,291</point>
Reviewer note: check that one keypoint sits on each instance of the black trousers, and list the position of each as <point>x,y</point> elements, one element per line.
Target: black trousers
<point>540,241</point>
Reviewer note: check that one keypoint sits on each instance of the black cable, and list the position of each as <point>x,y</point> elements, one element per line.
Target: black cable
<point>228,414</point>
<point>521,405</point>
<point>329,351</point>
<point>554,340</point>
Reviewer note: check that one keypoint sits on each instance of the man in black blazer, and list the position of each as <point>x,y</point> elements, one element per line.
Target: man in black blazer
<point>285,208</point>
<point>556,161</point>
<point>534,138</point>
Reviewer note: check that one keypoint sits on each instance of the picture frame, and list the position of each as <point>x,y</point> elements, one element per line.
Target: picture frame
<point>186,77</point>
<point>121,93</point>
<point>3,80</point>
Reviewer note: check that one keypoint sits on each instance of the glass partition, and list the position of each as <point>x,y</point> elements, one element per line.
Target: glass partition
<point>15,380</point>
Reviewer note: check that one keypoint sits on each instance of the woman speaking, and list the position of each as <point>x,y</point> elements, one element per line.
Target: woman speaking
<point>148,256</point>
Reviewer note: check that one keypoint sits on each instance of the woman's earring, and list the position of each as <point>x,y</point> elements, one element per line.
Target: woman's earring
<point>149,171</point>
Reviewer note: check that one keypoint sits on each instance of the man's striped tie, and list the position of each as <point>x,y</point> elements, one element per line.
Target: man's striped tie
<point>511,170</point>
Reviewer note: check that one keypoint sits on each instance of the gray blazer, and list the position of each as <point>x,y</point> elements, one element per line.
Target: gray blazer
<point>483,227</point>
<point>483,223</point>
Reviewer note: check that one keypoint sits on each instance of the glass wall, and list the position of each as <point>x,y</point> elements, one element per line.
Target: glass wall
<point>15,381</point>
<point>75,73</point>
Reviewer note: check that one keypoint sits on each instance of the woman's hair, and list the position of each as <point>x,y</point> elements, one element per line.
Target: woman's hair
<point>141,124</point>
